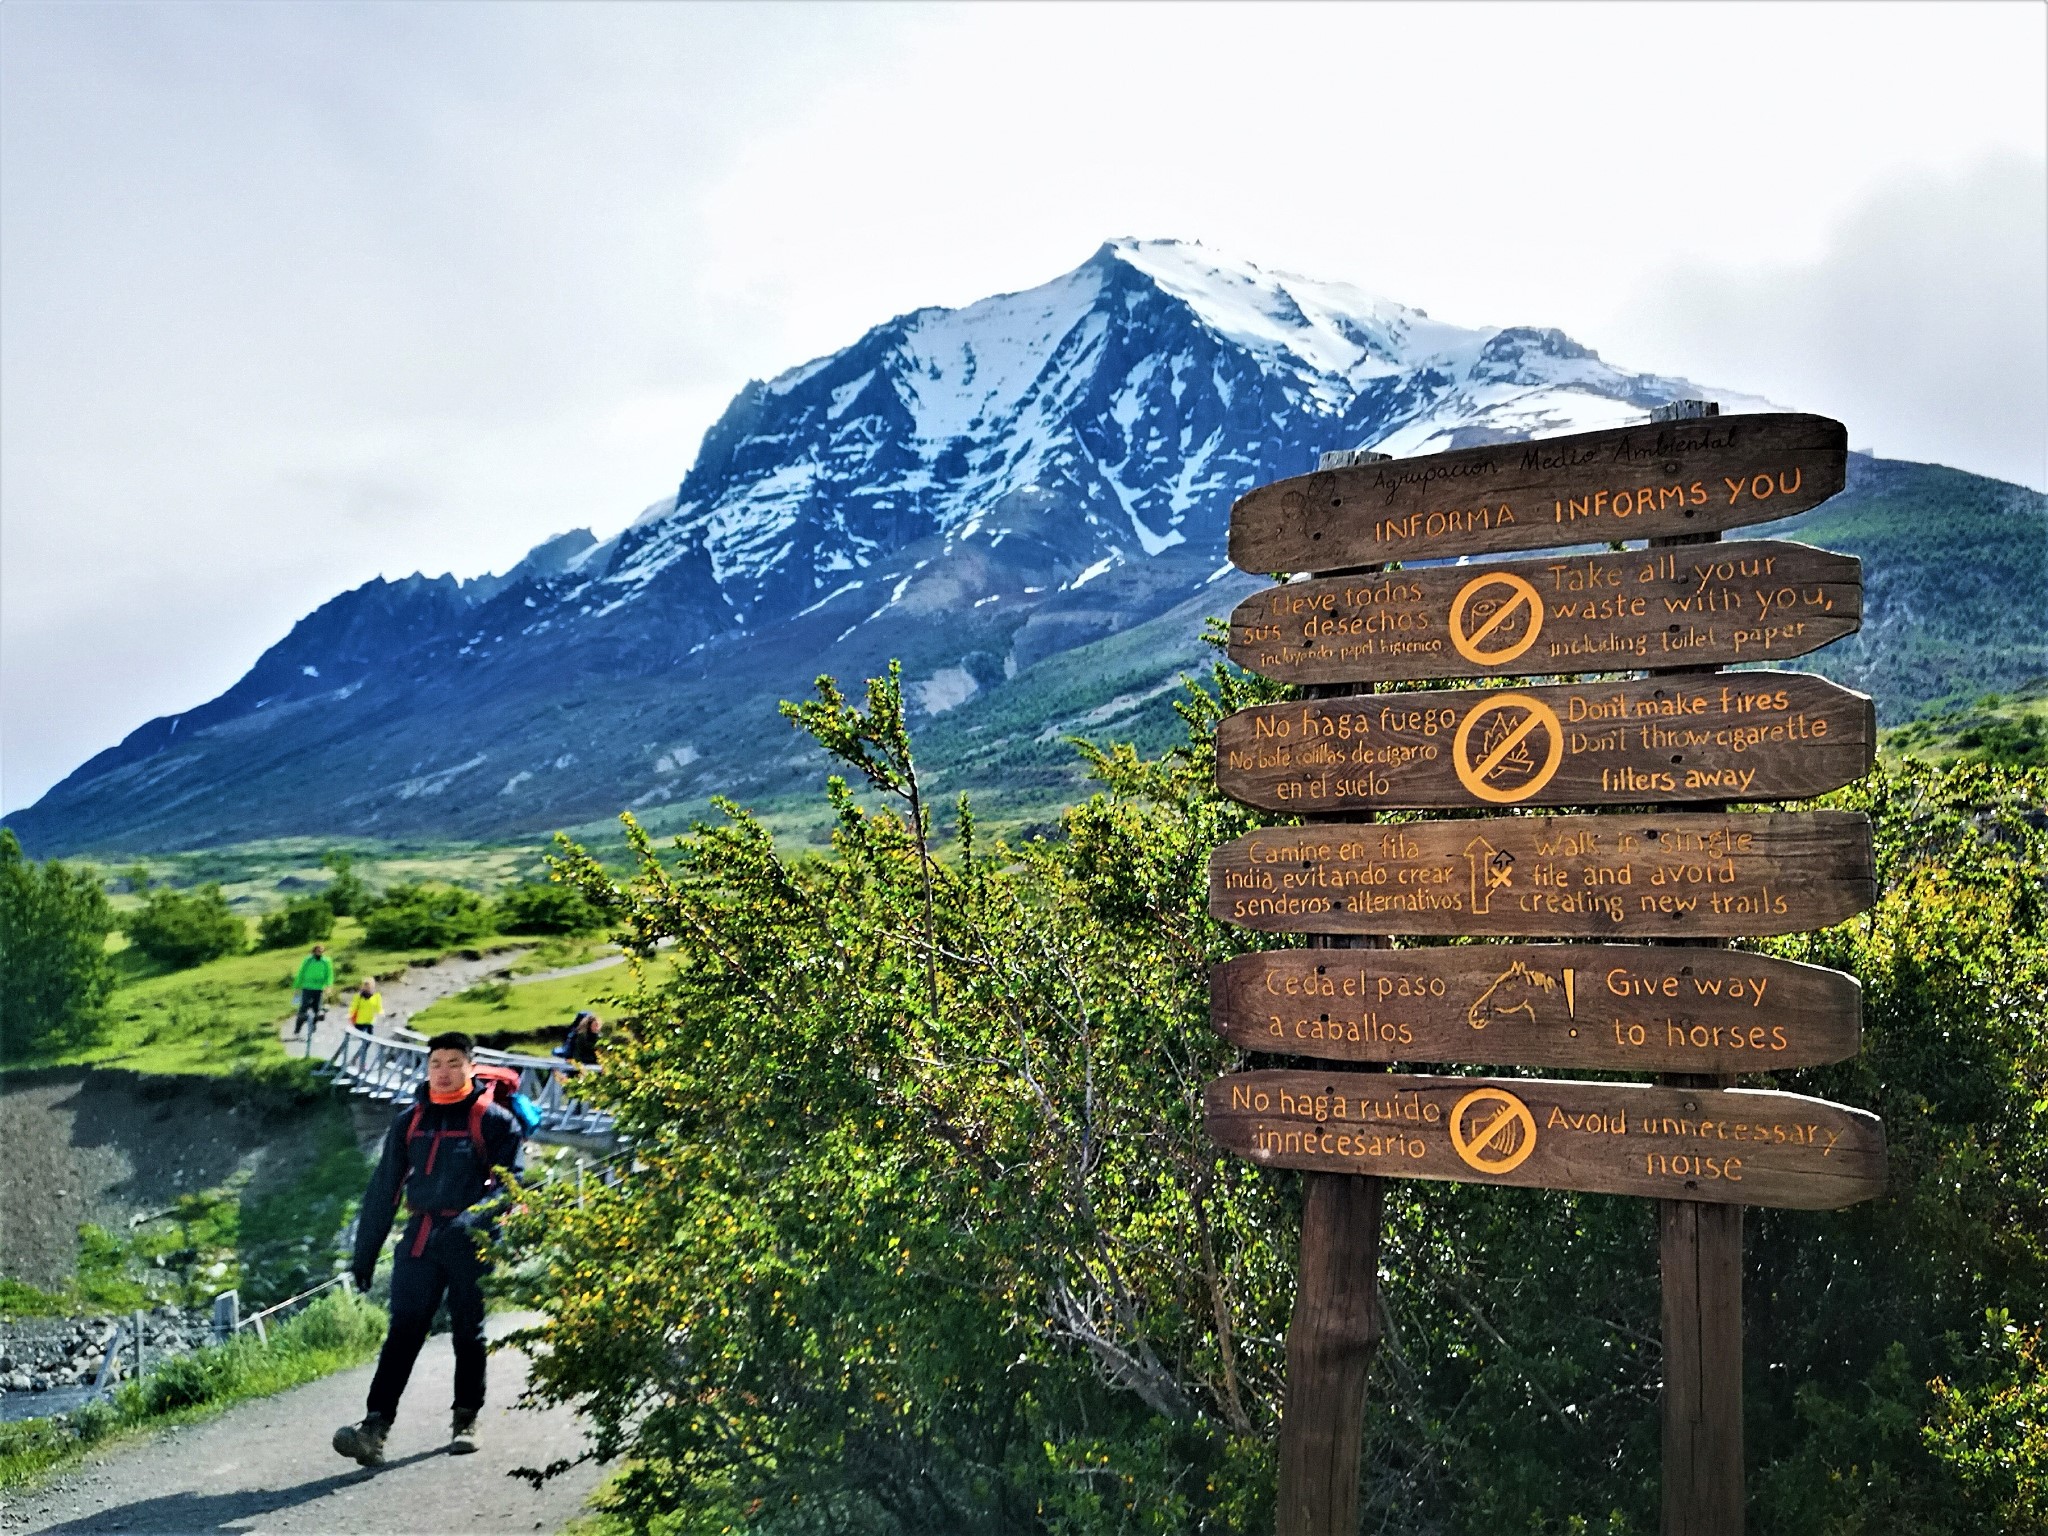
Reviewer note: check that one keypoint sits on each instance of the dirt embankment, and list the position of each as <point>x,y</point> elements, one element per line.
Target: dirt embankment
<point>100,1145</point>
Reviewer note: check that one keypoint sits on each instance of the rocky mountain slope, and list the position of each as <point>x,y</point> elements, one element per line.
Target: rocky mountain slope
<point>983,492</point>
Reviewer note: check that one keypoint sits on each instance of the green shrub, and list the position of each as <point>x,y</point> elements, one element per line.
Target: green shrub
<point>539,906</point>
<point>54,974</point>
<point>181,929</point>
<point>344,1324</point>
<point>19,1299</point>
<point>302,920</point>
<point>184,1381</point>
<point>408,915</point>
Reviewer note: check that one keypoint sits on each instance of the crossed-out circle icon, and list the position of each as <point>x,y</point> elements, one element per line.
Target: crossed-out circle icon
<point>1502,1132</point>
<point>1520,595</point>
<point>1502,769</point>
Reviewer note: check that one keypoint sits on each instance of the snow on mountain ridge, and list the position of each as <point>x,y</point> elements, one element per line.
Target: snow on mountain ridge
<point>1141,392</point>
<point>1332,328</point>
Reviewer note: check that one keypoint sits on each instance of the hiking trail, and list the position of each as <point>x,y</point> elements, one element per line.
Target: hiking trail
<point>419,986</point>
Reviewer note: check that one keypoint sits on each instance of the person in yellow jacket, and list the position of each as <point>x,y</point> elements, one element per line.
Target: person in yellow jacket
<point>365,1006</point>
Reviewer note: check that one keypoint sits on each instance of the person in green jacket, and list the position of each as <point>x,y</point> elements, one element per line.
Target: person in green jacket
<point>316,975</point>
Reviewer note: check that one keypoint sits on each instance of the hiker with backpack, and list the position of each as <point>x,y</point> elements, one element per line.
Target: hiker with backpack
<point>315,976</point>
<point>444,1157</point>
<point>580,1044</point>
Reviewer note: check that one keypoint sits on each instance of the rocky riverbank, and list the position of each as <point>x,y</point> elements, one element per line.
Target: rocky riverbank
<point>43,1354</point>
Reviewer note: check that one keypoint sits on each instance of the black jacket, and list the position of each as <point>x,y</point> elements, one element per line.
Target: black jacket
<point>433,1166</point>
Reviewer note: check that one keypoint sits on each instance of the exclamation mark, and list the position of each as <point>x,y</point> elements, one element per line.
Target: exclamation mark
<point>1571,1008</point>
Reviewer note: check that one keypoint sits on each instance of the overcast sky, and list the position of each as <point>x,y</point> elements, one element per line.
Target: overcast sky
<point>292,296</point>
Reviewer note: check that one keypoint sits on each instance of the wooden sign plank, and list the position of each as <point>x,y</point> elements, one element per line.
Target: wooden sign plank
<point>1709,606</point>
<point>1609,1007</point>
<point>1666,875</point>
<point>1647,481</point>
<point>1731,1146</point>
<point>1735,736</point>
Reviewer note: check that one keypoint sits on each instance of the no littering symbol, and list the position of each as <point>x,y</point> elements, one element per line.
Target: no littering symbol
<point>1492,1130</point>
<point>1496,616</point>
<point>1507,747</point>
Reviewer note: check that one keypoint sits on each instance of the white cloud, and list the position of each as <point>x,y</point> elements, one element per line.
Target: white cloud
<point>1923,323</point>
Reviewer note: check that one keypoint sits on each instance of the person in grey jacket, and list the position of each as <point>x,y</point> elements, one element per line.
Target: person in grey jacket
<point>443,1158</point>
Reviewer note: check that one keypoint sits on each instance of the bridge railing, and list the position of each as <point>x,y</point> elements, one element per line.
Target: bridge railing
<point>392,1068</point>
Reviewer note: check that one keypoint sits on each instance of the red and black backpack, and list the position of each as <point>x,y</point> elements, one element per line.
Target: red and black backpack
<point>496,1085</point>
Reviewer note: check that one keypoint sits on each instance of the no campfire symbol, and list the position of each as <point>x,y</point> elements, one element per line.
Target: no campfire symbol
<point>1507,747</point>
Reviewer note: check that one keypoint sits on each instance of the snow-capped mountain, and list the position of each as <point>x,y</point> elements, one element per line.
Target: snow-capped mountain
<point>1140,393</point>
<point>972,489</point>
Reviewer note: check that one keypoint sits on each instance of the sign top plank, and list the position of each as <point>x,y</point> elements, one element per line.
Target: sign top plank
<point>1652,480</point>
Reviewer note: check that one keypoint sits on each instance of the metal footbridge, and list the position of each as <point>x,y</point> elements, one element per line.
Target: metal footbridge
<point>391,1067</point>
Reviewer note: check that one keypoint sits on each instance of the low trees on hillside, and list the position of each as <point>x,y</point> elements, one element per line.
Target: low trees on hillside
<point>546,907</point>
<point>54,975</point>
<point>408,916</point>
<point>346,895</point>
<point>302,920</point>
<point>184,928</point>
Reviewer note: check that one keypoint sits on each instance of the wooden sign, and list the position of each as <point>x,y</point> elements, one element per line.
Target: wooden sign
<point>1673,875</point>
<point>1733,736</point>
<point>1649,481</point>
<point>1611,1007</point>
<point>1708,606</point>
<point>1731,1146</point>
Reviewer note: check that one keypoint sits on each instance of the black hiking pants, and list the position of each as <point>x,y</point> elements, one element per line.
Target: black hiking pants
<point>446,1265</point>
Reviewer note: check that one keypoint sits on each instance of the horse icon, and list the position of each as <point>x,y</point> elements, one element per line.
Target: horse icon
<point>1520,992</point>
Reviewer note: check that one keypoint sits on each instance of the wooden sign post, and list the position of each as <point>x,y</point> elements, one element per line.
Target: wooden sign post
<point>1748,735</point>
<point>1730,1146</point>
<point>1671,881</point>
<point>1584,612</point>
<point>1699,1262</point>
<point>1605,1007</point>
<point>1637,876</point>
<point>1334,1331</point>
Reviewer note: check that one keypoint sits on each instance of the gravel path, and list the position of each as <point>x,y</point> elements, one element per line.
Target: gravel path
<point>602,963</point>
<point>266,1466</point>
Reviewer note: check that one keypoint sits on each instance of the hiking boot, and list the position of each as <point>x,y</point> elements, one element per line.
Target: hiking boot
<point>365,1441</point>
<point>462,1432</point>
